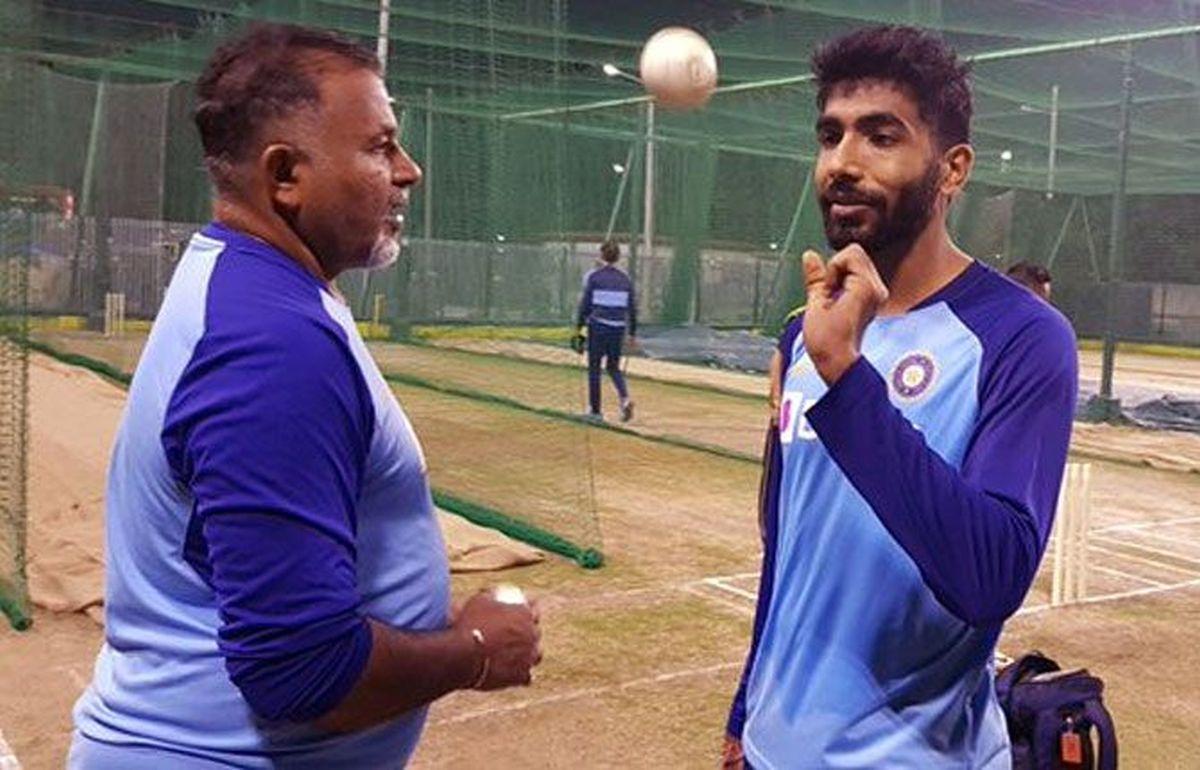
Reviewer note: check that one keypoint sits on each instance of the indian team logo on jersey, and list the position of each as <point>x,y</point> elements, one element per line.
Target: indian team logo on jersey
<point>914,375</point>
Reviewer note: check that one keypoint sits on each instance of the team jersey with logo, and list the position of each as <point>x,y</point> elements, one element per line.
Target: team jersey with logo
<point>266,495</point>
<point>915,498</point>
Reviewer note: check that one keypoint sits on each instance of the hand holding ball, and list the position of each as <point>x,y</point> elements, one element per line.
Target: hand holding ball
<point>679,67</point>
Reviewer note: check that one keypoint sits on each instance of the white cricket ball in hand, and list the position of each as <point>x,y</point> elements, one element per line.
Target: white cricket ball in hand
<point>507,593</point>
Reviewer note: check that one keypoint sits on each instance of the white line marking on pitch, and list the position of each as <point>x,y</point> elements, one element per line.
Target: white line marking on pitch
<point>738,607</point>
<point>8,760</point>
<point>587,692</point>
<point>738,576</point>
<point>1113,597</point>
<point>74,676</point>
<point>1134,526</point>
<point>1127,575</point>
<point>1170,538</point>
<point>718,583</point>
<point>1144,560</point>
<point>1150,549</point>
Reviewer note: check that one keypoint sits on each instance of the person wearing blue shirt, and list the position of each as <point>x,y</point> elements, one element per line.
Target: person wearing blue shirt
<point>608,308</point>
<point>925,414</point>
<point>277,588</point>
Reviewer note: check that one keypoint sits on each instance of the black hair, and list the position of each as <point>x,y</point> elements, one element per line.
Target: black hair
<point>264,73</point>
<point>610,252</point>
<point>914,59</point>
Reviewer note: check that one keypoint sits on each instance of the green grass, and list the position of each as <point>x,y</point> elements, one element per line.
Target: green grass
<point>559,335</point>
<point>1146,349</point>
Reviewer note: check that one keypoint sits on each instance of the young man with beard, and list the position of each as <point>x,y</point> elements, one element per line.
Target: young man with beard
<point>278,593</point>
<point>921,438</point>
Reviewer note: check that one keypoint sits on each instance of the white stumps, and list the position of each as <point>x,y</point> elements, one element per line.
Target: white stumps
<point>1070,535</point>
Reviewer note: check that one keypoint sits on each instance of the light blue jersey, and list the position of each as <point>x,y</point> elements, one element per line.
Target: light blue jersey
<point>915,500</point>
<point>266,495</point>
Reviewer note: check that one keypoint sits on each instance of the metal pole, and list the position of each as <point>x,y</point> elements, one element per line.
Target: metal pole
<point>795,225</point>
<point>381,52</point>
<point>427,179</point>
<point>648,196</point>
<point>89,163</point>
<point>757,290</point>
<point>1053,141</point>
<point>781,262</point>
<point>1116,244</point>
<point>381,45</point>
<point>1062,233</point>
<point>612,218</point>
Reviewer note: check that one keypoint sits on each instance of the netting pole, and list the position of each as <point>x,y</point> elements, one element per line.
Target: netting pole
<point>381,44</point>
<point>612,217</point>
<point>1108,406</point>
<point>427,179</point>
<point>1062,232</point>
<point>781,262</point>
<point>648,195</point>
<point>89,163</point>
<point>757,289</point>
<point>1093,260</point>
<point>1050,163</point>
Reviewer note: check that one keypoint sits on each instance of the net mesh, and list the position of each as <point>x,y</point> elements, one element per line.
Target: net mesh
<point>14,378</point>
<point>532,157</point>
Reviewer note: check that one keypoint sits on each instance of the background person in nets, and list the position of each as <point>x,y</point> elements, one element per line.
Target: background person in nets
<point>276,579</point>
<point>609,308</point>
<point>1033,277</point>
<point>922,433</point>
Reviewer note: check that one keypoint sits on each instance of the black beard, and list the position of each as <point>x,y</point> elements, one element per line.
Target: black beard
<point>890,240</point>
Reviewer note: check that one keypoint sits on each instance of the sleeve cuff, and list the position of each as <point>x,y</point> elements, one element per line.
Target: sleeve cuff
<point>859,384</point>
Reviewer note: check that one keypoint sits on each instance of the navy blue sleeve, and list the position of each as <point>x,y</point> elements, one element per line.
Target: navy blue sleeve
<point>977,536</point>
<point>585,301</point>
<point>269,431</point>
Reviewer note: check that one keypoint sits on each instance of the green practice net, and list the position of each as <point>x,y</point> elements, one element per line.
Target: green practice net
<point>532,157</point>
<point>14,401</point>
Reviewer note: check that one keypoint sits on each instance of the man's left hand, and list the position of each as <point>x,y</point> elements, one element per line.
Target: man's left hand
<point>732,757</point>
<point>843,297</point>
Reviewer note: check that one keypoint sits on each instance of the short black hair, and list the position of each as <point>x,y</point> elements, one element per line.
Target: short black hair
<point>610,252</point>
<point>911,58</point>
<point>1028,273</point>
<point>264,73</point>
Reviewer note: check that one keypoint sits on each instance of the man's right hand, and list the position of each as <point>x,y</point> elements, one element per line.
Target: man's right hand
<point>511,640</point>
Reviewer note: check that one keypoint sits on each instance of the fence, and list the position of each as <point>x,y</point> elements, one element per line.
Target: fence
<point>75,262</point>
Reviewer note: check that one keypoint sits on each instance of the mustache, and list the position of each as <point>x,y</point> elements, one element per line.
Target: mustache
<point>846,194</point>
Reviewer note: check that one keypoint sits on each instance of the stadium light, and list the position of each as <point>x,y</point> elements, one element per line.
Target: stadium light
<point>613,71</point>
